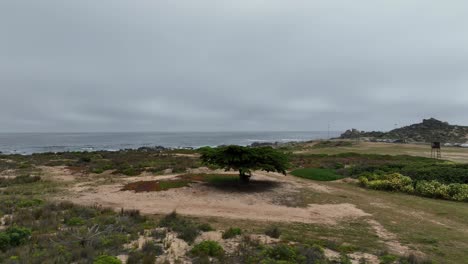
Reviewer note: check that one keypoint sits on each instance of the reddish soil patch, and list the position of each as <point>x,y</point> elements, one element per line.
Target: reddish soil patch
<point>143,186</point>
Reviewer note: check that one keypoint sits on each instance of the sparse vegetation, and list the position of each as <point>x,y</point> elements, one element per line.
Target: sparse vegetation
<point>68,233</point>
<point>208,248</point>
<point>23,179</point>
<point>273,231</point>
<point>232,232</point>
<point>185,228</point>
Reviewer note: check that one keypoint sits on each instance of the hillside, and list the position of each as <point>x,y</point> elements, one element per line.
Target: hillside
<point>427,131</point>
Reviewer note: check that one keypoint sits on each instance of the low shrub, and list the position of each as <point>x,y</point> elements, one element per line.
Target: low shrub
<point>159,234</point>
<point>207,248</point>
<point>432,189</point>
<point>105,259</point>
<point>13,237</point>
<point>273,231</point>
<point>205,227</point>
<point>232,232</point>
<point>281,252</point>
<point>185,229</point>
<point>150,247</point>
<point>388,259</point>
<point>23,179</point>
<point>75,221</point>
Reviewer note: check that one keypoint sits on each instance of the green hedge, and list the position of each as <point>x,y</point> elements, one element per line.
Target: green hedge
<point>432,189</point>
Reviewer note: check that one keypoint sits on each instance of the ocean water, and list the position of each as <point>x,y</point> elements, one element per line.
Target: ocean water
<point>27,143</point>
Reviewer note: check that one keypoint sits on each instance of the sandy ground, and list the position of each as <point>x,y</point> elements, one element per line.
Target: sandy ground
<point>202,200</point>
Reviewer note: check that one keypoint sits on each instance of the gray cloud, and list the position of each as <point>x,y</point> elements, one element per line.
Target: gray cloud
<point>214,65</point>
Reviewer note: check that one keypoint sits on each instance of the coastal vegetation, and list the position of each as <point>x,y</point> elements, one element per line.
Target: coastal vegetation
<point>246,159</point>
<point>48,210</point>
<point>318,174</point>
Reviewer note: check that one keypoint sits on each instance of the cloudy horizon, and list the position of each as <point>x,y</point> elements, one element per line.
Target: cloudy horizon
<point>216,65</point>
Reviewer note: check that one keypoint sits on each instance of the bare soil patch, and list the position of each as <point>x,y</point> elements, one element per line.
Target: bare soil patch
<point>58,173</point>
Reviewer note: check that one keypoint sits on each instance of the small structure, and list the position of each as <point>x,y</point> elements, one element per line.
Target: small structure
<point>435,150</point>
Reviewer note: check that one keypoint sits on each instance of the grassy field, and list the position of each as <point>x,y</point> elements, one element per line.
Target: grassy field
<point>317,174</point>
<point>422,150</point>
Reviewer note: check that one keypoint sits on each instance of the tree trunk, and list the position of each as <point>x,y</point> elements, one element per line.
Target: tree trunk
<point>244,178</point>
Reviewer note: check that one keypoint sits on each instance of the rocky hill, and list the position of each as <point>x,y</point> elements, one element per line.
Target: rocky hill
<point>427,131</point>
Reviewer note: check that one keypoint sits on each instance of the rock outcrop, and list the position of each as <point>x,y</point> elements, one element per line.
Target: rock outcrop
<point>428,130</point>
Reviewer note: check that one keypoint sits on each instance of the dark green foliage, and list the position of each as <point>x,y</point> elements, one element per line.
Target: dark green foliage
<point>442,172</point>
<point>105,259</point>
<point>413,259</point>
<point>139,257</point>
<point>388,259</point>
<point>232,232</point>
<point>75,221</point>
<point>246,159</point>
<point>147,255</point>
<point>24,179</point>
<point>207,248</point>
<point>84,159</point>
<point>283,253</point>
<point>13,237</point>
<point>128,162</point>
<point>344,259</point>
<point>151,248</point>
<point>317,174</point>
<point>48,232</point>
<point>185,229</point>
<point>273,231</point>
<point>417,168</point>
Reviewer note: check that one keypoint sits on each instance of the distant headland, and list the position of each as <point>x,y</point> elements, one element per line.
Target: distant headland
<point>428,130</point>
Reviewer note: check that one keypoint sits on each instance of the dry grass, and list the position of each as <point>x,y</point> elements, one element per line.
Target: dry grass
<point>449,153</point>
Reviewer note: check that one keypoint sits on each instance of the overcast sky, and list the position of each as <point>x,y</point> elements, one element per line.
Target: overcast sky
<point>217,65</point>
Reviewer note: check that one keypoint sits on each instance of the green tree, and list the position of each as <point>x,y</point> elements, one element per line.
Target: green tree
<point>246,159</point>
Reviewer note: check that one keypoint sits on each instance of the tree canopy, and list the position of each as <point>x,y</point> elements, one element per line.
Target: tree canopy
<point>246,159</point>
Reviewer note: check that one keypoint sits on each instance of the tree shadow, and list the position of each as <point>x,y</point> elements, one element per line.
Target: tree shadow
<point>234,185</point>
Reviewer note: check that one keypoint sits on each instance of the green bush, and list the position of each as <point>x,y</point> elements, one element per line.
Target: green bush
<point>105,259</point>
<point>185,229</point>
<point>273,231</point>
<point>75,221</point>
<point>432,189</point>
<point>232,232</point>
<point>388,259</point>
<point>13,237</point>
<point>281,252</point>
<point>208,248</point>
<point>388,182</point>
<point>459,192</point>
